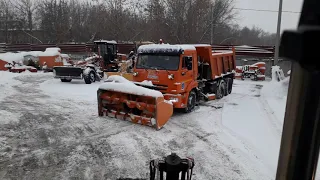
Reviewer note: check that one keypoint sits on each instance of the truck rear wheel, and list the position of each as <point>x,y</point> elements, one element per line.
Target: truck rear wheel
<point>191,102</point>
<point>66,80</point>
<point>229,85</point>
<point>221,90</point>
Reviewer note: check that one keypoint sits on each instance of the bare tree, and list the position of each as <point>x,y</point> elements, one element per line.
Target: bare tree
<point>175,21</point>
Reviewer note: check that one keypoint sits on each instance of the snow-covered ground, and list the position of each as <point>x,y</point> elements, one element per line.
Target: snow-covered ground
<point>51,129</point>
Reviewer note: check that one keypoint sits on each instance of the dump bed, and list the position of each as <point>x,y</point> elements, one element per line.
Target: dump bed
<point>221,62</point>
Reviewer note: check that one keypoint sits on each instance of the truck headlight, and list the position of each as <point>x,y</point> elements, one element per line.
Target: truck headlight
<point>171,76</point>
<point>135,74</point>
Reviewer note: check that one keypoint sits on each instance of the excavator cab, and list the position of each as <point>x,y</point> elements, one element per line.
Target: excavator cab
<point>108,51</point>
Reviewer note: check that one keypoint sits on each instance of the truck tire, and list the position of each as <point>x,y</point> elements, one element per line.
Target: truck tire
<point>90,78</point>
<point>221,90</point>
<point>191,102</point>
<point>229,85</point>
<point>66,80</point>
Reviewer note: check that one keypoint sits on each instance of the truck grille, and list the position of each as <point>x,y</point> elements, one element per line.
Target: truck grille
<point>155,87</point>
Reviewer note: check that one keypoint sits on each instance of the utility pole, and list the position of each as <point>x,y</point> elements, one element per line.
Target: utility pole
<point>276,53</point>
<point>211,34</point>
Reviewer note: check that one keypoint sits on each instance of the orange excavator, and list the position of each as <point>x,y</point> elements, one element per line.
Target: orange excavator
<point>166,77</point>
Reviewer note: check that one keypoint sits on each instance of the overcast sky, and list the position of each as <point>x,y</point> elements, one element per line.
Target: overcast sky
<point>268,20</point>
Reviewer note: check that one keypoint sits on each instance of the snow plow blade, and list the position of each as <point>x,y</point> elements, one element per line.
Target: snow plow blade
<point>67,72</point>
<point>127,101</point>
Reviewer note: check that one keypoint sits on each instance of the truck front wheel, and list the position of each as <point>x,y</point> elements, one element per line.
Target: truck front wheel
<point>191,102</point>
<point>89,78</point>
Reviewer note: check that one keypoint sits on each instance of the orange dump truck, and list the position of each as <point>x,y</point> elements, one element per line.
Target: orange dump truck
<point>166,77</point>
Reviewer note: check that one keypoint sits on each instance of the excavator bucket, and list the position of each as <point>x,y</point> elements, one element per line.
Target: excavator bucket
<point>122,99</point>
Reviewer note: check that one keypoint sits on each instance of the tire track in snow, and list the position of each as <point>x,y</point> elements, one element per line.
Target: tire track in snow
<point>83,146</point>
<point>223,130</point>
<point>213,144</point>
<point>274,120</point>
<point>36,148</point>
<point>255,94</point>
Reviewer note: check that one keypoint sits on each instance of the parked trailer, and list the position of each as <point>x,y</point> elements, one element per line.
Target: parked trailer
<point>167,77</point>
<point>255,71</point>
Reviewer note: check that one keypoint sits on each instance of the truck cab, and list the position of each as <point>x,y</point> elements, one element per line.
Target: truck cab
<point>184,73</point>
<point>108,51</point>
<point>172,69</point>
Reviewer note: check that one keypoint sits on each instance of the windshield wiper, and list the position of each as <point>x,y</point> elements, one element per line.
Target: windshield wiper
<point>162,68</point>
<point>145,67</point>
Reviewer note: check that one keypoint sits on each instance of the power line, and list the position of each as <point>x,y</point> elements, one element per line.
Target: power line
<point>265,10</point>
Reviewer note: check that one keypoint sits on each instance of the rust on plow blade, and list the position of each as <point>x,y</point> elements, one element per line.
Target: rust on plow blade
<point>145,110</point>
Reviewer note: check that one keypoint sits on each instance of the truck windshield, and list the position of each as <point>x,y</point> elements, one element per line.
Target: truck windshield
<point>159,62</point>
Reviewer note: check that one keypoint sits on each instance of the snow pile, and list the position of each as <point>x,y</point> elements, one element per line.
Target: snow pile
<point>275,95</point>
<point>289,72</point>
<point>6,84</point>
<point>17,57</point>
<point>8,65</point>
<point>276,89</point>
<point>74,91</point>
<point>10,57</point>
<point>277,73</point>
<point>87,71</point>
<point>248,117</point>
<point>121,84</point>
<point>23,67</point>
<point>147,83</point>
<point>51,52</point>
<point>251,128</point>
<point>164,48</point>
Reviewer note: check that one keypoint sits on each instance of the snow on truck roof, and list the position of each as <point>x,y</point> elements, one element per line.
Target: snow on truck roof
<point>106,41</point>
<point>164,48</point>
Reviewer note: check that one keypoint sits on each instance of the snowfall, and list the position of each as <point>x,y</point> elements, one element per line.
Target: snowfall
<point>51,130</point>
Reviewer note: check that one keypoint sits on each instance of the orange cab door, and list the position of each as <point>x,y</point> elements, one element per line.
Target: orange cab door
<point>187,68</point>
